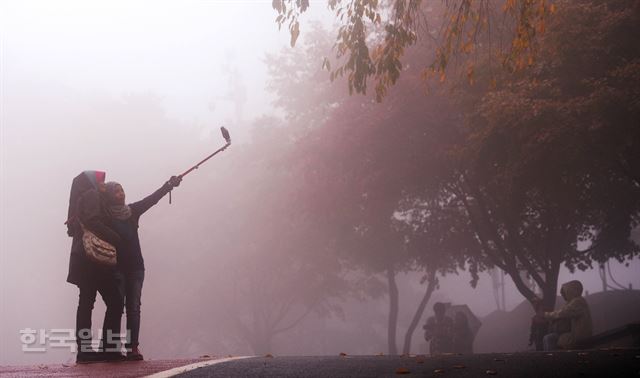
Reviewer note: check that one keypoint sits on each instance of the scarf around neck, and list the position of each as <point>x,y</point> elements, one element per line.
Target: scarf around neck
<point>120,212</point>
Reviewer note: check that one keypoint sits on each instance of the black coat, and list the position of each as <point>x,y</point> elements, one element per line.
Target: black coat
<point>92,212</point>
<point>129,251</point>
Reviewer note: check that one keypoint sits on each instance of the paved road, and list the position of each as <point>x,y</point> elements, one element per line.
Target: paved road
<point>601,363</point>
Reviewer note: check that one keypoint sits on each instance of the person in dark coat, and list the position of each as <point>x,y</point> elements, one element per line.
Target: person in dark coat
<point>539,325</point>
<point>439,330</point>
<point>125,219</point>
<point>87,206</point>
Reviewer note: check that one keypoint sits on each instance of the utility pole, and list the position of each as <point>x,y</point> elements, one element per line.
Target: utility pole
<point>603,276</point>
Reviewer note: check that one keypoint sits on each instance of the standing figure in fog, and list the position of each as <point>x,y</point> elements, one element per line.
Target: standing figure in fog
<point>439,331</point>
<point>87,208</point>
<point>125,219</point>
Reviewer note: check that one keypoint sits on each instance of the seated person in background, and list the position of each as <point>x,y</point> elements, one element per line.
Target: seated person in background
<point>462,335</point>
<point>539,325</point>
<point>439,330</point>
<point>576,312</point>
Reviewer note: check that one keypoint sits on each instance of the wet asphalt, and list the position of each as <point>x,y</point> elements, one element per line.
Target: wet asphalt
<point>594,363</point>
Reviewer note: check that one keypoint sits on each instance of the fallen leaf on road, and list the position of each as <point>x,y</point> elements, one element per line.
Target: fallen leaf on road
<point>459,366</point>
<point>343,354</point>
<point>491,372</point>
<point>402,371</point>
<point>268,355</point>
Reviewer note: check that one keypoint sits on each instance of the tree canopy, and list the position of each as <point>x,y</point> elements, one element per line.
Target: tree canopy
<point>373,36</point>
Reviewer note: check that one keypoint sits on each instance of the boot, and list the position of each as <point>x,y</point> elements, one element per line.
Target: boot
<point>135,354</point>
<point>89,358</point>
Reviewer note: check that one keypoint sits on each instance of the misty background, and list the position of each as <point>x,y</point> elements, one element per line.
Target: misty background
<point>140,91</point>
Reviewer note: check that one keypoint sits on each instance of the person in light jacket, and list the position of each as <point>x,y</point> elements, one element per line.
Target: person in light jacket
<point>576,311</point>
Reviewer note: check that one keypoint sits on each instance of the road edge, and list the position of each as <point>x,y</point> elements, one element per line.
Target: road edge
<point>183,369</point>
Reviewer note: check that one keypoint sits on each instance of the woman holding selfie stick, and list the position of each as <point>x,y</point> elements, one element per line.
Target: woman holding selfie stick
<point>125,219</point>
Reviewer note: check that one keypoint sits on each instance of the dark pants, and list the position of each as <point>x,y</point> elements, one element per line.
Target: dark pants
<point>550,341</point>
<point>131,288</point>
<point>108,287</point>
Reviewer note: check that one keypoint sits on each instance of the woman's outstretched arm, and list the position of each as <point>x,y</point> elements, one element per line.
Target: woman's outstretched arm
<point>140,207</point>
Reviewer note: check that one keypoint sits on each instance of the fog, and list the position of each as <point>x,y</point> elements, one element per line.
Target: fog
<point>139,90</point>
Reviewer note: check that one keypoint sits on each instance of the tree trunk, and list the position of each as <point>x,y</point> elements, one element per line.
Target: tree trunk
<point>526,292</point>
<point>393,311</point>
<point>550,291</point>
<point>432,282</point>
